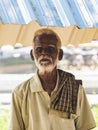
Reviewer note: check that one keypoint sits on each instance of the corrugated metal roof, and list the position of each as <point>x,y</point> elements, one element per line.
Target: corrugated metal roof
<point>82,13</point>
<point>18,33</point>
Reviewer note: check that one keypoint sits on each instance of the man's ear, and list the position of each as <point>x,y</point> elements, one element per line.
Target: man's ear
<point>31,54</point>
<point>60,54</point>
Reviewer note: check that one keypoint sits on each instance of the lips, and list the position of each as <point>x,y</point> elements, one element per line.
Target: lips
<point>45,61</point>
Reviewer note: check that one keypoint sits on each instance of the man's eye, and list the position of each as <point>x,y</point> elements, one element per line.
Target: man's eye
<point>46,50</point>
<point>38,50</point>
<point>52,49</point>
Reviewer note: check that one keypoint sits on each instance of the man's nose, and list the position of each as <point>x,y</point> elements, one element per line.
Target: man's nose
<point>45,51</point>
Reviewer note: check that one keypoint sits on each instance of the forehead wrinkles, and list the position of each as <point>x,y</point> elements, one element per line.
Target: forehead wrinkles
<point>46,38</point>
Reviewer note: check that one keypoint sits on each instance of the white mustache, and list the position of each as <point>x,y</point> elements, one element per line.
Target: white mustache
<point>44,57</point>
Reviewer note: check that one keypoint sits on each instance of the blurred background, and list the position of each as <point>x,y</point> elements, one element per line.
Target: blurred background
<point>17,66</point>
<point>15,61</point>
<point>75,21</point>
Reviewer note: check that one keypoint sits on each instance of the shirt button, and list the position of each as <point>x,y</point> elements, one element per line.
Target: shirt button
<point>48,105</point>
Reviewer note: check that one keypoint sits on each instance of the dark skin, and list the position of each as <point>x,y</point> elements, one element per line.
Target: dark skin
<point>47,45</point>
<point>48,81</point>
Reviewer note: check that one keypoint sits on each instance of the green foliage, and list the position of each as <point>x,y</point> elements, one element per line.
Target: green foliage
<point>95,113</point>
<point>4,119</point>
<point>5,115</point>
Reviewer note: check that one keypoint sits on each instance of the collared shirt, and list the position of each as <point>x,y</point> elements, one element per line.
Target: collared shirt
<point>31,110</point>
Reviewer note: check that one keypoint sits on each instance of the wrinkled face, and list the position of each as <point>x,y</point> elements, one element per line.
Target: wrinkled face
<point>45,53</point>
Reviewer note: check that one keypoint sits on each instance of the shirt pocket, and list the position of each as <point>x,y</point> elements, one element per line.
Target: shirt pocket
<point>63,115</point>
<point>60,120</point>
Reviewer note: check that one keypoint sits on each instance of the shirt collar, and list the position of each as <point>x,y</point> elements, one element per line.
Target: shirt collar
<point>36,86</point>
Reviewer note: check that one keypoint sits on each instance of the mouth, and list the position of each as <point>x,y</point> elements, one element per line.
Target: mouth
<point>45,61</point>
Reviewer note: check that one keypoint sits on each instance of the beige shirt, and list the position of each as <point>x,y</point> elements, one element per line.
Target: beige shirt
<point>31,110</point>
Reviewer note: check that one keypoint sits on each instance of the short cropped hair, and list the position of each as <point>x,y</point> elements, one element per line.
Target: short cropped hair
<point>47,31</point>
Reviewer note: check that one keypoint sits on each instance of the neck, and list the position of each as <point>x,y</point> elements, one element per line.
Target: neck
<point>48,80</point>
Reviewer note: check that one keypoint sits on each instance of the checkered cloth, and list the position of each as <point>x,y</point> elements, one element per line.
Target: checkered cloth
<point>65,98</point>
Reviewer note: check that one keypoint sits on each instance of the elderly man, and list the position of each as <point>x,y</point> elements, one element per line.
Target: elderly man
<point>51,99</point>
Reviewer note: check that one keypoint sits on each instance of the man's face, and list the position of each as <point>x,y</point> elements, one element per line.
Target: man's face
<point>45,53</point>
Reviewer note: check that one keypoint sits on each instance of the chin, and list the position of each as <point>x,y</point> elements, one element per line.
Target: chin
<point>45,69</point>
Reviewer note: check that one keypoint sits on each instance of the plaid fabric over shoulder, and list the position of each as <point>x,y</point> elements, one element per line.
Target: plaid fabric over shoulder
<point>65,98</point>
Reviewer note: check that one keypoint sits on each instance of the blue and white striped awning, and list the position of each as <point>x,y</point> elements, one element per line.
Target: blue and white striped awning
<point>82,13</point>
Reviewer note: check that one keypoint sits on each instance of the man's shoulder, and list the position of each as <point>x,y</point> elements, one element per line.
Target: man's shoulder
<point>66,73</point>
<point>23,86</point>
<point>63,73</point>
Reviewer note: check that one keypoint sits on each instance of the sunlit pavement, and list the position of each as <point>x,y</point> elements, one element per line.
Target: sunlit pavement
<point>9,81</point>
<point>89,78</point>
<point>5,99</point>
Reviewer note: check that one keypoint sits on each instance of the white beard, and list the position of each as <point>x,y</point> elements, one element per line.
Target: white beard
<point>44,67</point>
